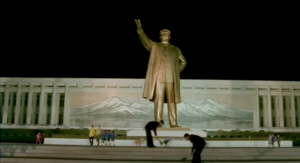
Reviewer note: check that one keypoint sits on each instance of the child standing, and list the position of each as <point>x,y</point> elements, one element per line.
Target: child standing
<point>108,137</point>
<point>104,138</point>
<point>112,138</point>
<point>274,139</point>
<point>270,140</point>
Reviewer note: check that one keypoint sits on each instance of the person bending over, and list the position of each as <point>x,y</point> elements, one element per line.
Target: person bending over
<point>198,145</point>
<point>148,128</point>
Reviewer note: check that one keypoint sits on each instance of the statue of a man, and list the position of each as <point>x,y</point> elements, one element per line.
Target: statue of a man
<point>163,74</point>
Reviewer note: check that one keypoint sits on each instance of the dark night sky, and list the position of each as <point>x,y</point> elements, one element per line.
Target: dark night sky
<point>100,41</point>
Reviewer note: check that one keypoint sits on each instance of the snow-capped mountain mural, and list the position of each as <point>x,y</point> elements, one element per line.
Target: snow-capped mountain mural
<point>136,112</point>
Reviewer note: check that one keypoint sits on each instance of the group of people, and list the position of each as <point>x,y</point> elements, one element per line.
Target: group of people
<point>40,138</point>
<point>273,139</point>
<point>197,141</point>
<point>107,138</point>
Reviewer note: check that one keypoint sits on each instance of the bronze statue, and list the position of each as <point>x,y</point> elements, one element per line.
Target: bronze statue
<point>163,74</point>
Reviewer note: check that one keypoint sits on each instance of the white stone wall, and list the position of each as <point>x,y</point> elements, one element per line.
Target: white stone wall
<point>206,88</point>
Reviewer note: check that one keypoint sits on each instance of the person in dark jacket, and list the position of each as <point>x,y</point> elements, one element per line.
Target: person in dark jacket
<point>274,139</point>
<point>198,146</point>
<point>148,128</point>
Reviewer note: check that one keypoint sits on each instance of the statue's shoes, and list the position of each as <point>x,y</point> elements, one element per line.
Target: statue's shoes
<point>175,126</point>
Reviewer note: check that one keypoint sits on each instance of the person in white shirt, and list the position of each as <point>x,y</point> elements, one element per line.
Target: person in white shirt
<point>270,140</point>
<point>98,135</point>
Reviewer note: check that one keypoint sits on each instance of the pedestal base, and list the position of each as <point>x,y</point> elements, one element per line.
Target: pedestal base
<point>173,129</point>
<point>167,132</point>
<point>183,143</point>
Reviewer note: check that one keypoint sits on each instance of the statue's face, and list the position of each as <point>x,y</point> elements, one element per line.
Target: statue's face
<point>165,36</point>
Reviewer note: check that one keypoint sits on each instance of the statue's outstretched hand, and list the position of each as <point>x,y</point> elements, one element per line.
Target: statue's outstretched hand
<point>139,25</point>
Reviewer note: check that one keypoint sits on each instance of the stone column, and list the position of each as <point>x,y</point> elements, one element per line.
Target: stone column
<point>57,108</point>
<point>11,107</point>
<point>42,105</point>
<point>298,106</point>
<point>53,106</point>
<point>269,112</point>
<point>288,111</point>
<point>293,112</point>
<point>29,106</point>
<point>22,108</point>
<point>1,105</point>
<point>265,110</point>
<point>17,111</point>
<point>5,107</point>
<point>45,115</point>
<point>256,116</point>
<point>34,98</point>
<point>276,111</point>
<point>66,120</point>
<point>281,115</point>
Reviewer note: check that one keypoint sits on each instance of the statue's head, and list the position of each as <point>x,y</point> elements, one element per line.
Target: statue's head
<point>165,35</point>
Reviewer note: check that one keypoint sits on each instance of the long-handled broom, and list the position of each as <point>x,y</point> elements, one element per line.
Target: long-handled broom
<point>161,143</point>
<point>184,158</point>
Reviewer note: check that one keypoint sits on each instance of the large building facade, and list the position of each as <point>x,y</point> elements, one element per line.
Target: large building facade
<point>118,103</point>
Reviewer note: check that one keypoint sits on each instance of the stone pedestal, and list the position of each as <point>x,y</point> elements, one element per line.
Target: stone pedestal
<point>167,132</point>
<point>173,129</point>
<point>177,143</point>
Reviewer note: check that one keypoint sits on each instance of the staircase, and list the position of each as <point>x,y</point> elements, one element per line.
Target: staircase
<point>30,153</point>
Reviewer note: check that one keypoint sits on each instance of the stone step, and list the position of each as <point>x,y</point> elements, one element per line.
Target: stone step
<point>163,132</point>
<point>165,153</point>
<point>172,143</point>
<point>35,160</point>
<point>149,156</point>
<point>156,151</point>
<point>145,154</point>
<point>142,149</point>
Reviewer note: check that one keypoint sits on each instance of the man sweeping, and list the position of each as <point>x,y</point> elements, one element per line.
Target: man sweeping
<point>148,128</point>
<point>198,145</point>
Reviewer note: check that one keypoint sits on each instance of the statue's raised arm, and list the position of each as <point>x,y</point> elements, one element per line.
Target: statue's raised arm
<point>143,37</point>
<point>139,26</point>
